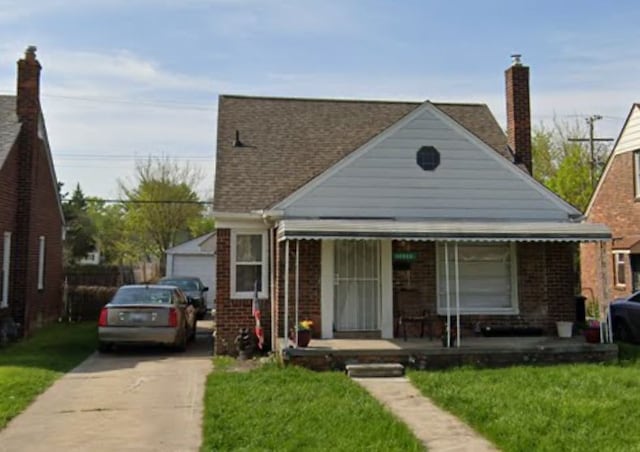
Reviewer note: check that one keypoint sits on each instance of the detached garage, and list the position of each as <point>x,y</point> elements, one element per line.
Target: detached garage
<point>196,257</point>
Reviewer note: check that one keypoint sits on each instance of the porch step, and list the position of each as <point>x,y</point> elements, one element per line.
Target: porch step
<point>375,370</point>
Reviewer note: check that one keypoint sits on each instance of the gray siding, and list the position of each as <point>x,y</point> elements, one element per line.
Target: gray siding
<point>385,181</point>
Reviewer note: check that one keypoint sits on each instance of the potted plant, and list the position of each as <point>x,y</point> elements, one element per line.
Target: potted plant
<point>304,332</point>
<point>592,331</point>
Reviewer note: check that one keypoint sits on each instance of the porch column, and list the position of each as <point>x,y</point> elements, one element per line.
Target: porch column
<point>457,296</point>
<point>448,291</point>
<point>286,294</point>
<point>297,290</point>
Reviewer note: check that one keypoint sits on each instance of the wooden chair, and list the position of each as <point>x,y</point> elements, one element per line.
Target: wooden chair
<point>407,310</point>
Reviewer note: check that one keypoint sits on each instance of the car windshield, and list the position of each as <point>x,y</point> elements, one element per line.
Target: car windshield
<point>184,284</point>
<point>142,295</point>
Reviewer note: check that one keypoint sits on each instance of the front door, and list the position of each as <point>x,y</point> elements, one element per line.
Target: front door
<point>357,285</point>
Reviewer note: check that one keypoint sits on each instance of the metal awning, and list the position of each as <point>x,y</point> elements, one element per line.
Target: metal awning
<point>522,231</point>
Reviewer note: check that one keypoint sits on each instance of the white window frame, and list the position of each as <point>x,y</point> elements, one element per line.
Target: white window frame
<point>512,310</point>
<point>41,258</point>
<point>618,259</point>
<point>636,173</point>
<point>6,268</point>
<point>264,291</point>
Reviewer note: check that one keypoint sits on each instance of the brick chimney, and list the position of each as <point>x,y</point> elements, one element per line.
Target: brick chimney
<point>28,93</point>
<point>518,112</point>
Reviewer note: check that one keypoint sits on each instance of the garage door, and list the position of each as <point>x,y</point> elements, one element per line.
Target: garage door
<point>201,266</point>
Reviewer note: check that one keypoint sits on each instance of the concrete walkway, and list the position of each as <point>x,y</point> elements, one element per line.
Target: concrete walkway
<point>438,430</point>
<point>132,400</point>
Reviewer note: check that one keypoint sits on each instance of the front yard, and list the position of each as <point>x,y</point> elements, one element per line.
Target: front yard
<point>271,408</point>
<point>29,367</point>
<point>565,407</point>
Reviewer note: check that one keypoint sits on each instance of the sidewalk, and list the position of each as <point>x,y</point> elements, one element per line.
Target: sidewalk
<point>438,430</point>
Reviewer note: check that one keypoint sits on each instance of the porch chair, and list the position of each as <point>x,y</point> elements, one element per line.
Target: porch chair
<point>408,309</point>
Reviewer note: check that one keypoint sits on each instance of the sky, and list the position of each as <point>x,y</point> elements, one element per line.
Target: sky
<point>123,80</point>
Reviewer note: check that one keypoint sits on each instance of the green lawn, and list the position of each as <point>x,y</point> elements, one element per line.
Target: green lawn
<point>557,408</point>
<point>271,408</point>
<point>29,367</point>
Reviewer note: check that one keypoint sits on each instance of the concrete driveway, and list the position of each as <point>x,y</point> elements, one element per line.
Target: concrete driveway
<point>134,399</point>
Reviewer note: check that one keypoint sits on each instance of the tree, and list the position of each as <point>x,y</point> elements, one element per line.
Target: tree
<point>80,229</point>
<point>562,165</point>
<point>109,226</point>
<point>160,206</point>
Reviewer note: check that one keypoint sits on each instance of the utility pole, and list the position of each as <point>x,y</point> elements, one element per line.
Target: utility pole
<point>592,151</point>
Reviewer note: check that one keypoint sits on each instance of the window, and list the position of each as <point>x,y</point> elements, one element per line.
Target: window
<point>428,158</point>
<point>41,245</point>
<point>6,262</point>
<point>249,264</point>
<point>636,172</point>
<point>618,269</point>
<point>487,278</point>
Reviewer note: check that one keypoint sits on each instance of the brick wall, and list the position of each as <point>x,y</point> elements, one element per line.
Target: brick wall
<point>233,314</point>
<point>8,202</point>
<point>614,205</point>
<point>518,114</point>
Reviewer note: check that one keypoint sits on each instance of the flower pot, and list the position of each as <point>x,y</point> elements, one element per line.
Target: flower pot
<point>592,335</point>
<point>304,337</point>
<point>564,329</point>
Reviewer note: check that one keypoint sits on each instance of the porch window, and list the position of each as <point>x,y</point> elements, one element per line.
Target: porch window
<point>636,172</point>
<point>249,263</point>
<point>486,278</point>
<point>6,261</point>
<point>619,269</point>
<point>41,250</point>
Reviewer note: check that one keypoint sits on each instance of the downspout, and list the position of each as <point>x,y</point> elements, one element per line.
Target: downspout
<point>286,294</point>
<point>457,297</point>
<point>446,275</point>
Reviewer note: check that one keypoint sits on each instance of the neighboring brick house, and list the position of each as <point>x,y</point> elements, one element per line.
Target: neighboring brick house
<point>612,270</point>
<point>367,204</point>
<point>31,219</point>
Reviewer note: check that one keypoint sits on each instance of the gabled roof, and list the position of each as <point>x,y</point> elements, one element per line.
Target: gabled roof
<point>9,126</point>
<point>194,246</point>
<point>287,142</point>
<point>615,150</point>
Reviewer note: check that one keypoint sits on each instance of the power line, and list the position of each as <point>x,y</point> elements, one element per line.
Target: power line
<point>134,201</point>
<point>592,140</point>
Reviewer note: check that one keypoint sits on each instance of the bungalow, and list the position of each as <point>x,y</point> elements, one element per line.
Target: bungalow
<point>354,213</point>
<point>31,219</point>
<point>612,270</point>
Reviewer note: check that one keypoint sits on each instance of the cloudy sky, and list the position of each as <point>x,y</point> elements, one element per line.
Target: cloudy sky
<point>123,80</point>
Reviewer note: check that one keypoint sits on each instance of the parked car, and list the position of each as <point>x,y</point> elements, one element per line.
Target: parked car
<point>193,287</point>
<point>625,317</point>
<point>147,314</point>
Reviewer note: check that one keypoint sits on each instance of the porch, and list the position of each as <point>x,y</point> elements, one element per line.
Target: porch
<point>419,353</point>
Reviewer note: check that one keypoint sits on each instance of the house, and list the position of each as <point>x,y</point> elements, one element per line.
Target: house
<point>612,270</point>
<point>196,257</point>
<point>342,210</point>
<point>31,219</point>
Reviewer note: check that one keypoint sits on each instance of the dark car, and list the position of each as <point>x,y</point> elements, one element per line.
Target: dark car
<point>147,314</point>
<point>625,318</point>
<point>194,289</point>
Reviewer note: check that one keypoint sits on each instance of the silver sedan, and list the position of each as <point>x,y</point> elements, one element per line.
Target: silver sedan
<point>147,314</point>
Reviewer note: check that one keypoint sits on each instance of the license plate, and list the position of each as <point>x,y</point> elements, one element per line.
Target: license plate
<point>138,317</point>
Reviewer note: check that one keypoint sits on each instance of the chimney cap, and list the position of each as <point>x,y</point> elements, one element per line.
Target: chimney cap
<point>516,59</point>
<point>30,53</point>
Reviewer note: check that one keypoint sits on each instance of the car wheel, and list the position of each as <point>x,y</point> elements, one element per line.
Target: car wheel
<point>104,347</point>
<point>192,333</point>
<point>622,332</point>
<point>181,344</point>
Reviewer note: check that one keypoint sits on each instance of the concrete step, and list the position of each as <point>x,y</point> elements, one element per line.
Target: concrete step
<point>375,370</point>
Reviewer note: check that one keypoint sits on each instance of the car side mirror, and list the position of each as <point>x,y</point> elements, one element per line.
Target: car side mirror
<point>205,289</point>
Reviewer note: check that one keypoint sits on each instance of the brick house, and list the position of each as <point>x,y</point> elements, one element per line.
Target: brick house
<point>612,269</point>
<point>31,219</point>
<point>348,212</point>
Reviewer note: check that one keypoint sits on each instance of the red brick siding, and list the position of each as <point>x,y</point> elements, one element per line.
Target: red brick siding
<point>614,205</point>
<point>8,203</point>
<point>233,314</point>
<point>518,114</point>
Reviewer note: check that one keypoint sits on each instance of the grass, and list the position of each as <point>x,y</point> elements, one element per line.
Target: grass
<point>559,408</point>
<point>271,408</point>
<point>29,367</point>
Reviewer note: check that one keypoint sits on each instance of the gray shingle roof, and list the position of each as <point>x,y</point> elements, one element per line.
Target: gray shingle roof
<point>287,142</point>
<point>9,126</point>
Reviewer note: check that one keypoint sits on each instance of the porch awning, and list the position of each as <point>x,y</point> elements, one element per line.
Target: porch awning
<point>629,243</point>
<point>531,231</point>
